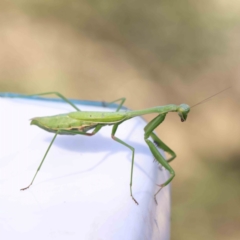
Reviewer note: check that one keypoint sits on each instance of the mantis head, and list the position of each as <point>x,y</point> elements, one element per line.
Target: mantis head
<point>183,111</point>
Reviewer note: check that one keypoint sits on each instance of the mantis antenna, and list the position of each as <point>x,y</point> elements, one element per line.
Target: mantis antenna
<point>205,100</point>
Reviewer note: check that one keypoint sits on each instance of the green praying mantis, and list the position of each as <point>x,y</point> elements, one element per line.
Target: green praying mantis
<point>81,122</point>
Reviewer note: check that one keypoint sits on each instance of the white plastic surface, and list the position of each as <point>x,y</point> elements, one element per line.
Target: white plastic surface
<point>82,190</point>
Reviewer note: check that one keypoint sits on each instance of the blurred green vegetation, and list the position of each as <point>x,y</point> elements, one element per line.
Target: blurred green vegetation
<point>207,208</point>
<point>184,35</point>
<point>163,52</point>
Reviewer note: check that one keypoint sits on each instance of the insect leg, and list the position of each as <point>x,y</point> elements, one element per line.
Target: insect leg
<point>122,100</point>
<point>59,95</point>
<point>149,133</point>
<point>41,161</point>
<point>96,129</point>
<point>114,129</point>
<point>163,146</point>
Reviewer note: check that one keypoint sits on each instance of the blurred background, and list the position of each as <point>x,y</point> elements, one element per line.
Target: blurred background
<point>153,53</point>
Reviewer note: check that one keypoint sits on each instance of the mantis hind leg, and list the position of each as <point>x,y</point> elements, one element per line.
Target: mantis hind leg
<point>149,133</point>
<point>122,100</point>
<point>39,167</point>
<point>59,95</point>
<point>96,129</point>
<point>114,129</point>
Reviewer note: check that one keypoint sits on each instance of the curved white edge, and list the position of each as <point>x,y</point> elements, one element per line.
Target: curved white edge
<point>82,190</point>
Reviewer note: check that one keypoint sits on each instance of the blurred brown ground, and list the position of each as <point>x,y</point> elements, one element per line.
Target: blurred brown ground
<point>153,53</point>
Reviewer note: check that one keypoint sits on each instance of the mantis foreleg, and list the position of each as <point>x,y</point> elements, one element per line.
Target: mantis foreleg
<point>149,133</point>
<point>163,146</point>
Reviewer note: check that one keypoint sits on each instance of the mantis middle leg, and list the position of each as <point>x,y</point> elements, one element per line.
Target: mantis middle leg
<point>114,129</point>
<point>122,100</point>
